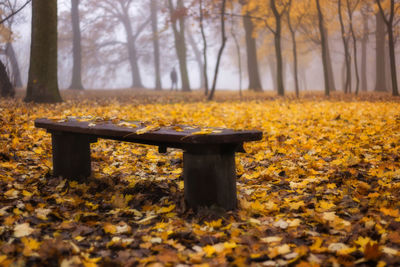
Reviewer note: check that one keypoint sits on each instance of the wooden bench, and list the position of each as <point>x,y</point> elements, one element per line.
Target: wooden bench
<point>208,159</point>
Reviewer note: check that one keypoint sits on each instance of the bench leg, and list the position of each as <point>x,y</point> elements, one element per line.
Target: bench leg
<point>210,179</point>
<point>71,156</point>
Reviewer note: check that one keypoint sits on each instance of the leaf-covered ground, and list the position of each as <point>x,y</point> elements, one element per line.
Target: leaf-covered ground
<point>321,189</point>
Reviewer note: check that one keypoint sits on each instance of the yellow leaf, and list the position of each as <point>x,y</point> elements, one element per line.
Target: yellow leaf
<point>109,228</point>
<point>79,238</point>
<point>166,209</point>
<point>390,212</point>
<point>324,205</point>
<point>209,250</point>
<point>214,224</point>
<point>230,245</point>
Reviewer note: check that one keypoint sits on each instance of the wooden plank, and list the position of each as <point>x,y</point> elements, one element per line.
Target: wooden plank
<point>106,129</point>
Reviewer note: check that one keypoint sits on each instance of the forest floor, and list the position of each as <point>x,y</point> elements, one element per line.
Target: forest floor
<point>321,189</point>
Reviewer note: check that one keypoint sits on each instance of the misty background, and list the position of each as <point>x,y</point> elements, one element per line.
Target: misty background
<point>105,63</point>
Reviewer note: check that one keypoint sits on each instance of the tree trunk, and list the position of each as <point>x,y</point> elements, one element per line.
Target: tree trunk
<point>239,58</point>
<point>395,91</point>
<point>278,49</point>
<point>392,53</point>
<point>203,36</point>
<point>294,49</point>
<point>43,79</point>
<point>252,61</point>
<point>331,76</point>
<point>6,88</point>
<point>131,47</point>
<point>324,53</point>
<point>353,35</point>
<point>364,43</point>
<point>347,83</point>
<point>156,45</point>
<point>76,82</point>
<point>17,81</point>
<point>272,69</point>
<point>197,56</point>
<point>221,49</point>
<point>180,44</point>
<point>380,38</point>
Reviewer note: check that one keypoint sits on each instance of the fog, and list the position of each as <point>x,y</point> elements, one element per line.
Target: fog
<point>106,49</point>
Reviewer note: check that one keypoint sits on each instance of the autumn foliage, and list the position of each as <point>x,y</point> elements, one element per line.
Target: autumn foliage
<point>321,189</point>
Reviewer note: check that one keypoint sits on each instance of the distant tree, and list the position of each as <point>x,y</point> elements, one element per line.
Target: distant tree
<point>6,88</point>
<point>203,36</point>
<point>296,12</point>
<point>42,80</point>
<point>365,11</point>
<point>388,18</point>
<point>76,82</point>
<point>351,7</point>
<point>251,50</point>
<point>347,56</point>
<point>177,15</point>
<point>221,49</point>
<point>324,45</point>
<point>197,56</point>
<point>380,40</point>
<point>156,46</point>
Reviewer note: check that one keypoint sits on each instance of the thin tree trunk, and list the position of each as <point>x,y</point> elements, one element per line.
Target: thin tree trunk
<point>180,44</point>
<point>395,90</point>
<point>197,56</point>
<point>132,53</point>
<point>331,76</point>
<point>6,88</point>
<point>156,45</point>
<point>203,36</point>
<point>272,69</point>
<point>278,48</point>
<point>392,53</point>
<point>323,47</point>
<point>364,43</point>
<point>223,37</point>
<point>353,35</point>
<point>347,84</point>
<point>237,46</point>
<point>252,61</point>
<point>294,49</point>
<point>43,79</point>
<point>380,38</point>
<point>76,82</point>
<point>17,81</point>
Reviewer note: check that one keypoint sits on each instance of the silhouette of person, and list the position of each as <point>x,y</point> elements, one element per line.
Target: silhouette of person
<point>174,80</point>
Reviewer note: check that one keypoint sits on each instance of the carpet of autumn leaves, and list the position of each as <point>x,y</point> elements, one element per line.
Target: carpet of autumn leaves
<point>321,189</point>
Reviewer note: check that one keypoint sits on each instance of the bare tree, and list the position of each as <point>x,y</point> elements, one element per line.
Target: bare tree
<point>203,36</point>
<point>76,81</point>
<point>177,15</point>
<point>388,19</point>
<point>251,51</point>
<point>221,49</point>
<point>156,45</point>
<point>323,46</point>
<point>347,57</point>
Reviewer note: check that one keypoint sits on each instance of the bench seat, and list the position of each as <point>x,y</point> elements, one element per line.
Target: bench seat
<point>208,159</point>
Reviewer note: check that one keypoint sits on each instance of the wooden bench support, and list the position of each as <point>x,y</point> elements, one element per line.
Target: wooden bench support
<point>210,178</point>
<point>71,155</point>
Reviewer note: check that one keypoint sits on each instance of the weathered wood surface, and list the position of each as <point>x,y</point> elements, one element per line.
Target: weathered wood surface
<point>109,130</point>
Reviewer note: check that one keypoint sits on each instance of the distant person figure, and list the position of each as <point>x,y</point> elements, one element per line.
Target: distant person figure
<point>174,80</point>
